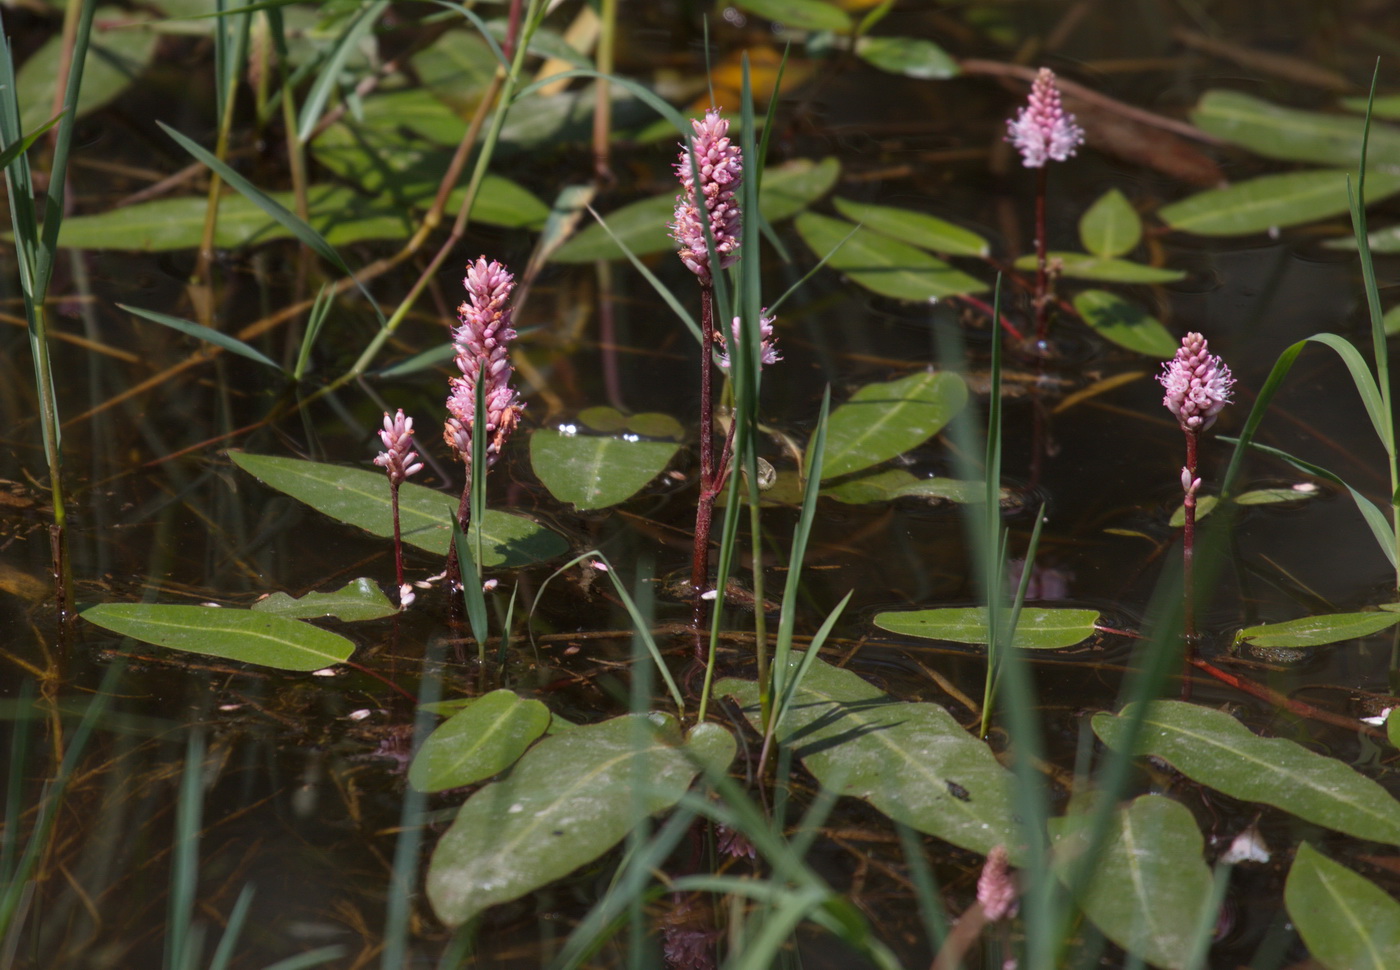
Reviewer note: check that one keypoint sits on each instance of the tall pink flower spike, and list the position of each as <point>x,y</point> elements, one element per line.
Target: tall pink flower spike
<point>483,354</point>
<point>721,167</point>
<point>1197,384</point>
<point>1043,130</point>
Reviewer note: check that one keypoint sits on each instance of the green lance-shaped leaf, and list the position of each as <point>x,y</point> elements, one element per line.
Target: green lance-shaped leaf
<point>1037,629</point>
<point>913,762</point>
<point>1150,885</point>
<point>883,264</point>
<point>360,498</point>
<point>595,471</point>
<point>1126,324</point>
<point>1274,131</point>
<point>801,14</point>
<point>1272,201</point>
<point>1084,266</point>
<point>567,801</point>
<point>1111,226</point>
<point>199,332</point>
<point>1211,747</point>
<point>255,638</point>
<point>359,599</point>
<point>916,228</point>
<point>883,421</point>
<point>1314,631</point>
<point>897,483</point>
<point>1347,921</point>
<point>910,56</point>
<point>484,738</point>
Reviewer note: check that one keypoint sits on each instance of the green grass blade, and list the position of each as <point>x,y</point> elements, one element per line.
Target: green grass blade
<point>320,311</point>
<point>190,328</point>
<point>1371,395</point>
<point>184,869</point>
<point>223,954</point>
<point>661,289</point>
<point>17,149</point>
<point>345,45</point>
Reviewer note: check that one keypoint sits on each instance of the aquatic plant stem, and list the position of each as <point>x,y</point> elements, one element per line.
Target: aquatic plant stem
<point>398,538</point>
<point>1042,293</point>
<point>705,506</point>
<point>1188,548</point>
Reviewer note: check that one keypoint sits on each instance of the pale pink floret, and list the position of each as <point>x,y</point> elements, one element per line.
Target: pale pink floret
<point>1043,130</point>
<point>721,166</point>
<point>996,887</point>
<point>767,348</point>
<point>400,460</point>
<point>483,354</point>
<point>1197,384</point>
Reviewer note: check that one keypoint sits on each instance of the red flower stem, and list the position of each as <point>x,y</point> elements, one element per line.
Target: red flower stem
<point>704,509</point>
<point>1301,708</point>
<point>982,305</point>
<point>1188,549</point>
<point>1042,289</point>
<point>398,539</point>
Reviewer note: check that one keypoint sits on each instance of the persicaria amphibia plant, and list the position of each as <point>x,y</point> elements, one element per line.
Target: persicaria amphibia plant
<point>399,461</point>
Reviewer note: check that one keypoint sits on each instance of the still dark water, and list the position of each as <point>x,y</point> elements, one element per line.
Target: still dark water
<point>303,779</point>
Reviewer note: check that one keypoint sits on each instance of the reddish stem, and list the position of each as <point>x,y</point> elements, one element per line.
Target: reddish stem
<point>1188,561</point>
<point>704,509</point>
<point>982,305</point>
<point>1301,708</point>
<point>1042,288</point>
<point>398,539</point>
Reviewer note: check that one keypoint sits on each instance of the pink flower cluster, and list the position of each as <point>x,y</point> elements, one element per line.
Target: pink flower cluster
<point>1197,384</point>
<point>721,165</point>
<point>400,460</point>
<point>483,355</point>
<point>767,348</point>
<point>1043,130</point>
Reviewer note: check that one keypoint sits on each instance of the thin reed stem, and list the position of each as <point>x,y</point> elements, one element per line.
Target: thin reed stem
<point>1042,277</point>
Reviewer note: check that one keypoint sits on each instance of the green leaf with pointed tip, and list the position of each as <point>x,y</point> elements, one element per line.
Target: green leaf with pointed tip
<point>190,328</point>
<point>1347,921</point>
<point>1150,885</point>
<point>1214,749</point>
<point>255,638</point>
<point>1274,131</point>
<point>571,798</point>
<point>1038,628</point>
<point>1272,201</point>
<point>359,599</point>
<point>483,738</point>
<point>883,421</point>
<point>910,56</point>
<point>361,498</point>
<point>1206,504</point>
<point>916,228</point>
<point>1124,323</point>
<point>595,471</point>
<point>1111,226</point>
<point>799,14</point>
<point>883,264</point>
<point>609,420</point>
<point>897,483</point>
<point>789,188</point>
<point>115,58</point>
<point>1082,266</point>
<point>913,762</point>
<point>1314,631</point>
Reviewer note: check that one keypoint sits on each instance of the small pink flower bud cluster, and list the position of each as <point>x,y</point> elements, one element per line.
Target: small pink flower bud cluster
<point>1197,384</point>
<point>996,888</point>
<point>1043,130</point>
<point>483,354</point>
<point>767,348</point>
<point>400,460</point>
<point>721,166</point>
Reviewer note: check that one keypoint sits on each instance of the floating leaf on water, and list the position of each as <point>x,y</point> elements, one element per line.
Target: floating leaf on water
<point>1126,324</point>
<point>243,635</point>
<point>1150,884</point>
<point>1386,106</point>
<point>114,59</point>
<point>483,738</point>
<point>651,424</point>
<point>1347,921</point>
<point>359,599</point>
<point>1274,131</point>
<point>1111,226</point>
<point>1272,202</point>
<point>789,188</point>
<point>883,421</point>
<point>1205,505</point>
<point>897,483</point>
<point>1314,631</point>
<point>916,228</point>
<point>1039,628</point>
<point>883,264</point>
<point>361,498</point>
<point>595,471</point>
<point>799,14</point>
<point>1214,749</point>
<point>1083,266</point>
<point>571,798</point>
<point>913,762</point>
<point>909,56</point>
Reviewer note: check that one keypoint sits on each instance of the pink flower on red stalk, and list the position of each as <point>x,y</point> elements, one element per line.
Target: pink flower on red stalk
<point>399,460</point>
<point>996,887</point>
<point>1043,129</point>
<point>483,355</point>
<point>1197,384</point>
<point>767,348</point>
<point>721,165</point>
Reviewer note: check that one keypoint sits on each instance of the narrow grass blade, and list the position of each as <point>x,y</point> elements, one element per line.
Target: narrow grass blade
<point>184,875</point>
<point>17,149</point>
<point>190,328</point>
<point>661,289</point>
<point>329,77</point>
<point>223,954</point>
<point>320,310</point>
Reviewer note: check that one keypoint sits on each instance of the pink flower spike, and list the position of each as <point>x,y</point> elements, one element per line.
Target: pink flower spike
<point>400,460</point>
<point>768,350</point>
<point>996,888</point>
<point>1197,384</point>
<point>721,166</point>
<point>1043,129</point>
<point>483,356</point>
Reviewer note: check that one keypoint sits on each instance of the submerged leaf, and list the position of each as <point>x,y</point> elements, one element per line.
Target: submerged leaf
<point>361,498</point>
<point>1314,631</point>
<point>913,762</point>
<point>1214,749</point>
<point>883,264</point>
<point>1347,921</point>
<point>359,599</point>
<point>883,421</point>
<point>1038,628</point>
<point>571,797</point>
<point>595,471</point>
<point>255,638</point>
<point>483,738</point>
